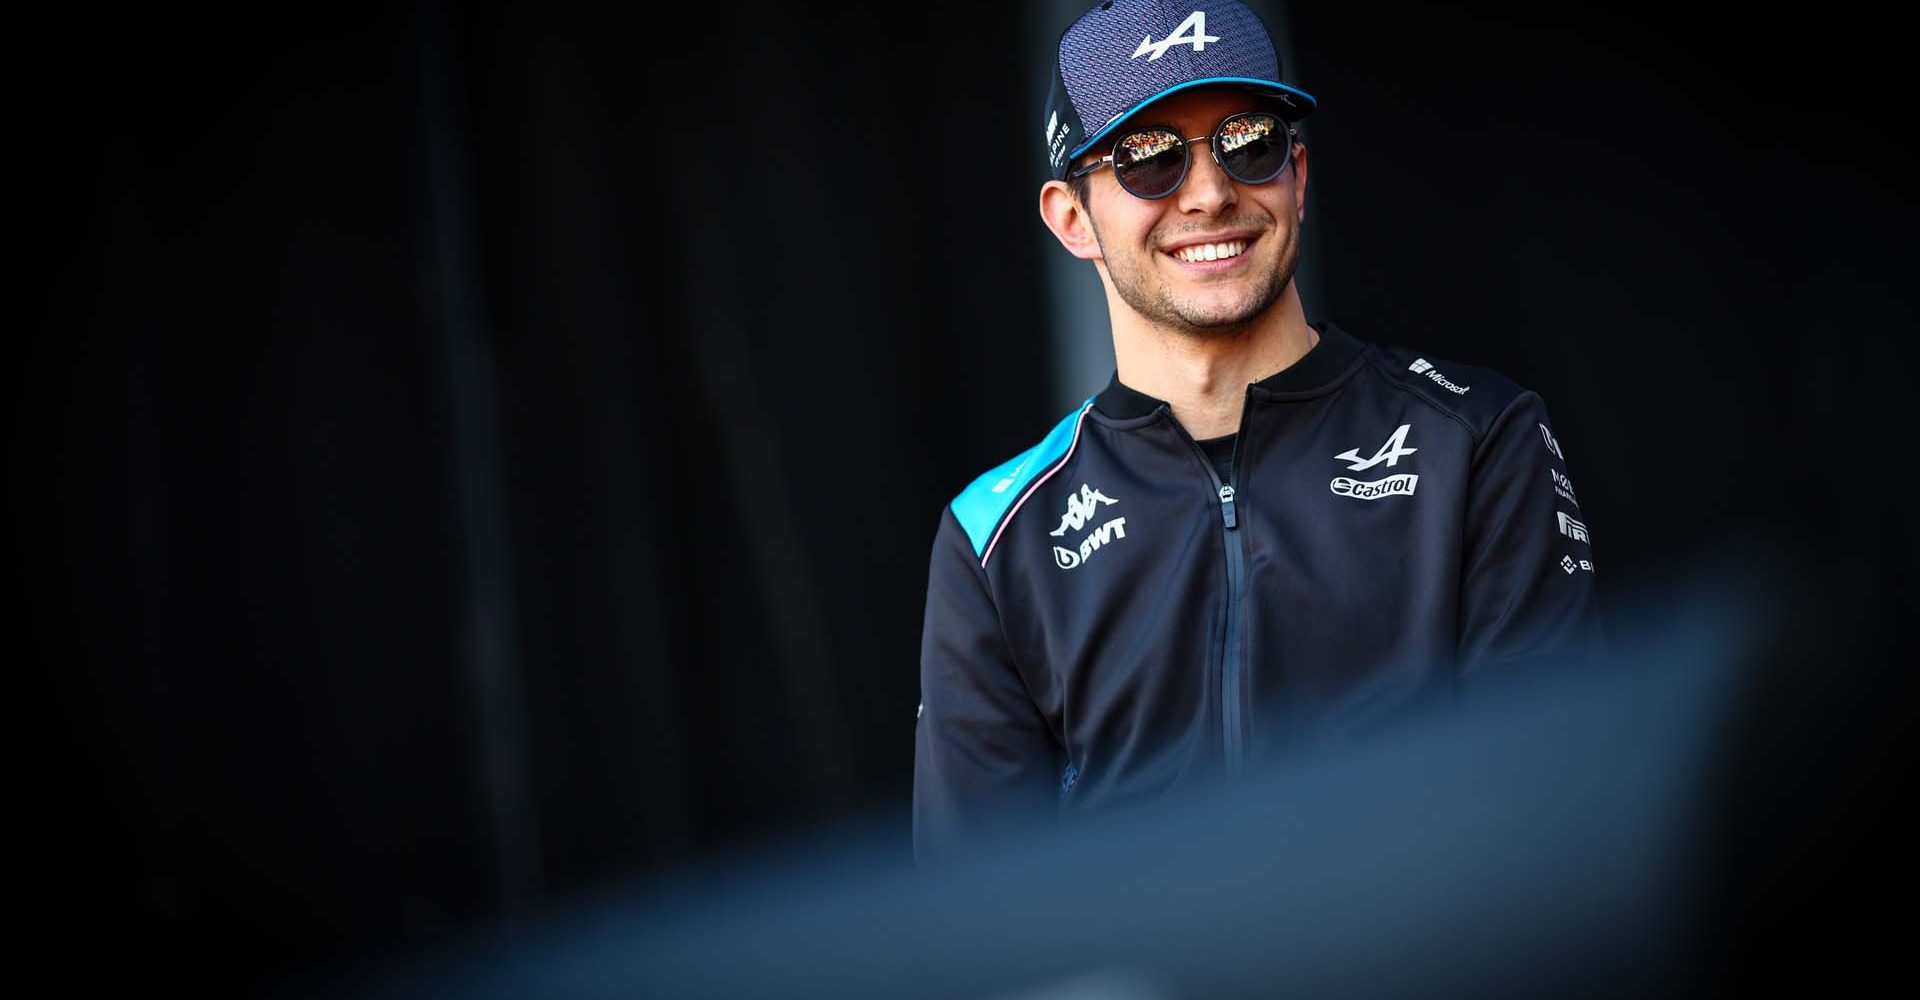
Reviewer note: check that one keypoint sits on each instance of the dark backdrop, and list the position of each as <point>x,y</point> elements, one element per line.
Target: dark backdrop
<point>484,457</point>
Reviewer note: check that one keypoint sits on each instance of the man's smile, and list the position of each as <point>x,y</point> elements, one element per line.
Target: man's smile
<point>1211,251</point>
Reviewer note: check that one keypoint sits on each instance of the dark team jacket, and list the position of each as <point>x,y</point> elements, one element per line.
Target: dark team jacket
<point>1106,619</point>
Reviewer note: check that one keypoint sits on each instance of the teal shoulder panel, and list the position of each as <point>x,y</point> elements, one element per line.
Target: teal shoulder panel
<point>982,504</point>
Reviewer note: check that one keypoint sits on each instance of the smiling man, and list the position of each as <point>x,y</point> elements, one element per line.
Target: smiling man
<point>1264,532</point>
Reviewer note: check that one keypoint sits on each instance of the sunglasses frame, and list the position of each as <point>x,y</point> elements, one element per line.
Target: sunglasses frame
<point>1212,139</point>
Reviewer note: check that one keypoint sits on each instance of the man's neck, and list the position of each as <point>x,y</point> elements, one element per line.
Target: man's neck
<point>1205,379</point>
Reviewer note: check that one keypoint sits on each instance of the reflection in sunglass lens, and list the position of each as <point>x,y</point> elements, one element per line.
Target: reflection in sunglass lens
<point>1150,163</point>
<point>1253,147</point>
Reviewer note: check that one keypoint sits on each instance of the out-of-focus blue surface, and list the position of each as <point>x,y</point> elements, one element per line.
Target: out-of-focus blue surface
<point>1537,839</point>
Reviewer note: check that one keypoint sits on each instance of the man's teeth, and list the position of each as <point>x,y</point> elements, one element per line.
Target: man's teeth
<point>1212,251</point>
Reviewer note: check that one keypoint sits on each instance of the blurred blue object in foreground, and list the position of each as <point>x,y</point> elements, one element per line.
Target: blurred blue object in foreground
<point>1540,839</point>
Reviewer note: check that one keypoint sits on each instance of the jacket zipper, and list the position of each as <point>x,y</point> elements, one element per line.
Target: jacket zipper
<point>1231,668</point>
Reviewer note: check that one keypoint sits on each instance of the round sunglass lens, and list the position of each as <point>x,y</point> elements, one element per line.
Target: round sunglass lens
<point>1253,147</point>
<point>1150,163</point>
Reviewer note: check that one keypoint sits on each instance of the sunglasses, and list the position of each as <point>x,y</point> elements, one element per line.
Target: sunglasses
<point>1253,147</point>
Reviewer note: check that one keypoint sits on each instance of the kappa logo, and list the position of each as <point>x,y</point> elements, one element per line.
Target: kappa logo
<point>1389,453</point>
<point>1421,366</point>
<point>1552,445</point>
<point>1192,31</point>
<point>1080,509</point>
<point>1571,528</point>
<point>1563,486</point>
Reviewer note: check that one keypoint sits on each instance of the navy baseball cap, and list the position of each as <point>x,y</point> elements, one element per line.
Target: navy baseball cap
<point>1121,55</point>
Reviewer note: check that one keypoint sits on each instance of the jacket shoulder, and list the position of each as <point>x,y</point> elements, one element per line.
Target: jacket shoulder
<point>1473,394</point>
<point>993,496</point>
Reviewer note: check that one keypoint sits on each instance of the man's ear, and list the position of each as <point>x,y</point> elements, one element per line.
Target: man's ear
<point>1300,178</point>
<point>1068,220</point>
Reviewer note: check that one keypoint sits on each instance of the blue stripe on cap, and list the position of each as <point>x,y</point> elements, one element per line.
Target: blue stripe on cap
<point>1130,112</point>
<point>983,503</point>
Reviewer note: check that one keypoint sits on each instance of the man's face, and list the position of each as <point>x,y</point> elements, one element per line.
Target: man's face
<point>1153,253</point>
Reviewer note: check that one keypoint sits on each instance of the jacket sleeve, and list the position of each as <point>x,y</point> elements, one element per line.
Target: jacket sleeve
<point>1527,595</point>
<point>984,757</point>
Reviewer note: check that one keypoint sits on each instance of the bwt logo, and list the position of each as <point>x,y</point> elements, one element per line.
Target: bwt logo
<point>1110,531</point>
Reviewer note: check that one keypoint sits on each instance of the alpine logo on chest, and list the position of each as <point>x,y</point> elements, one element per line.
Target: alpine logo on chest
<point>1388,454</point>
<point>1082,507</point>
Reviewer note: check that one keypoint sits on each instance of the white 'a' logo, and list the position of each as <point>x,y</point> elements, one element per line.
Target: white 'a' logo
<point>1389,453</point>
<point>1196,23</point>
<point>1552,445</point>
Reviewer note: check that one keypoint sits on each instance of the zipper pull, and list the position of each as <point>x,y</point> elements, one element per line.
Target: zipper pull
<point>1226,506</point>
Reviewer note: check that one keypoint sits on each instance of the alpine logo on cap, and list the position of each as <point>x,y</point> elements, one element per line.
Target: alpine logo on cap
<point>1196,23</point>
<point>1056,139</point>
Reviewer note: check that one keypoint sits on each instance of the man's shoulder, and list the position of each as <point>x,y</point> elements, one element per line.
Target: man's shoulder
<point>1476,395</point>
<point>995,493</point>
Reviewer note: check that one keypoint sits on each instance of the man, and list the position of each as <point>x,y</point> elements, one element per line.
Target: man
<point>1264,532</point>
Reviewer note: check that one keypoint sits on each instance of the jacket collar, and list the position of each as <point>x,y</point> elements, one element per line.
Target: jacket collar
<point>1323,364</point>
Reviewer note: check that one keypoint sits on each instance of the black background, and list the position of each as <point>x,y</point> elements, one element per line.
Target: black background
<point>754,291</point>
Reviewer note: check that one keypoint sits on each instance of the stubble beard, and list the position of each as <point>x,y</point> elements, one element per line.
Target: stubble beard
<point>1147,293</point>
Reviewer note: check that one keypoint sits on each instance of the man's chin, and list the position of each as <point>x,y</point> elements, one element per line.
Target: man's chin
<point>1225,315</point>
<point>1218,319</point>
<point>1216,331</point>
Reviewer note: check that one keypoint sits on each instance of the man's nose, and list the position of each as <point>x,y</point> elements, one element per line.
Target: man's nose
<point>1207,189</point>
